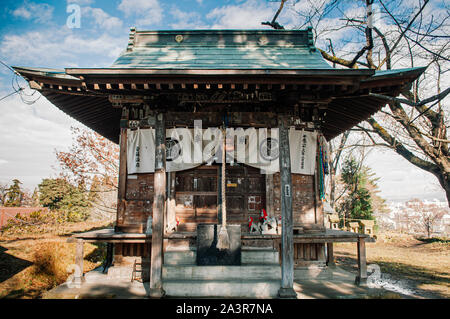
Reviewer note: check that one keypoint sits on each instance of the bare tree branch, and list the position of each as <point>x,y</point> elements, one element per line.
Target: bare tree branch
<point>274,24</point>
<point>433,98</point>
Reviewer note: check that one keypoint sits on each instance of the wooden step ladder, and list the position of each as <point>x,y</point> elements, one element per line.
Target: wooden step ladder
<point>137,269</point>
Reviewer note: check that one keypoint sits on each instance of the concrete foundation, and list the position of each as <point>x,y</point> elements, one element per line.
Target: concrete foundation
<point>338,285</point>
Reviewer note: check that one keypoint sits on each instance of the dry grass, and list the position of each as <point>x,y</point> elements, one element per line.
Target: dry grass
<point>424,264</point>
<point>35,261</point>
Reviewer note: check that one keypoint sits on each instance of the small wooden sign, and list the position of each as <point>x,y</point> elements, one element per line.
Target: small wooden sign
<point>231,185</point>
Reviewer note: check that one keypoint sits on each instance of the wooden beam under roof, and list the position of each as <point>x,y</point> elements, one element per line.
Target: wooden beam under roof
<point>257,80</point>
<point>68,92</point>
<point>201,72</point>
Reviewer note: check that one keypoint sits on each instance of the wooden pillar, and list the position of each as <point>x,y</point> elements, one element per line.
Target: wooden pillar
<point>156,289</point>
<point>287,235</point>
<point>117,253</point>
<point>361,279</point>
<point>79,255</point>
<point>330,255</point>
<point>321,253</point>
<point>122,183</point>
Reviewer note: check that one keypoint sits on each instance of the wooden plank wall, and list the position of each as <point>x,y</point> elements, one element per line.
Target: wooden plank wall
<point>303,202</point>
<point>138,202</point>
<point>303,199</point>
<point>245,199</point>
<point>197,196</point>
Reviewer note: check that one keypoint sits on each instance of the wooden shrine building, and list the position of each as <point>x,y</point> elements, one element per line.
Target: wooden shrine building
<point>271,86</point>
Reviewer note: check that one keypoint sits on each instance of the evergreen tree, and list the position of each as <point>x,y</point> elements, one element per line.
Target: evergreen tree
<point>357,204</point>
<point>60,195</point>
<point>14,194</point>
<point>52,192</point>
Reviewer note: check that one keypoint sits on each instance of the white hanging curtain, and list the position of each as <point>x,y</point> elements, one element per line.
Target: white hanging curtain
<point>141,150</point>
<point>256,148</point>
<point>180,150</point>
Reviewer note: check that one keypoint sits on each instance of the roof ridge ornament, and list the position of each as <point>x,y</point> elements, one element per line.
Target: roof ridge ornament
<point>263,40</point>
<point>131,39</point>
<point>312,48</point>
<point>179,38</point>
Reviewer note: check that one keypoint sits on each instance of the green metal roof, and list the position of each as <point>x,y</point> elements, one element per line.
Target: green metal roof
<point>385,74</point>
<point>156,59</point>
<point>222,49</point>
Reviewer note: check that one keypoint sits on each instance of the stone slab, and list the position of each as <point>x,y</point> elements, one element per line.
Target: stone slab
<point>256,272</point>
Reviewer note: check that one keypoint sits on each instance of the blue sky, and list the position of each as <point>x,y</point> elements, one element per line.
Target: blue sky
<point>105,25</point>
<point>34,33</point>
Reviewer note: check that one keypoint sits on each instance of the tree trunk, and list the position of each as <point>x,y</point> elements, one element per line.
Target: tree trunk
<point>444,181</point>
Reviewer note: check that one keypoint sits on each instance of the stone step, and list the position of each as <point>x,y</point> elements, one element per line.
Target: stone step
<point>179,257</point>
<point>222,288</point>
<point>248,257</point>
<point>95,275</point>
<point>121,272</point>
<point>250,272</point>
<point>259,256</point>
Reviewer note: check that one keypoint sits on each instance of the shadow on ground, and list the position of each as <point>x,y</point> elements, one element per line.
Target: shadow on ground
<point>10,265</point>
<point>105,290</point>
<point>425,240</point>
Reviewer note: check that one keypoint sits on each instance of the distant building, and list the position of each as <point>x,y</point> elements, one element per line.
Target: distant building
<point>410,216</point>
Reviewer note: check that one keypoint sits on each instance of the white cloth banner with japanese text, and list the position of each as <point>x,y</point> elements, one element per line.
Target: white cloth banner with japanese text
<point>303,147</point>
<point>189,148</point>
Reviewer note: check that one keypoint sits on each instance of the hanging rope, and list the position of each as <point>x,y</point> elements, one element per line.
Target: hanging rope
<point>223,241</point>
<point>321,172</point>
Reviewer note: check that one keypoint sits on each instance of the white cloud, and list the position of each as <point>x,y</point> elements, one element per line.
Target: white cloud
<point>246,15</point>
<point>37,12</point>
<point>401,180</point>
<point>102,19</point>
<point>186,20</point>
<point>30,135</point>
<point>64,47</point>
<point>147,12</point>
